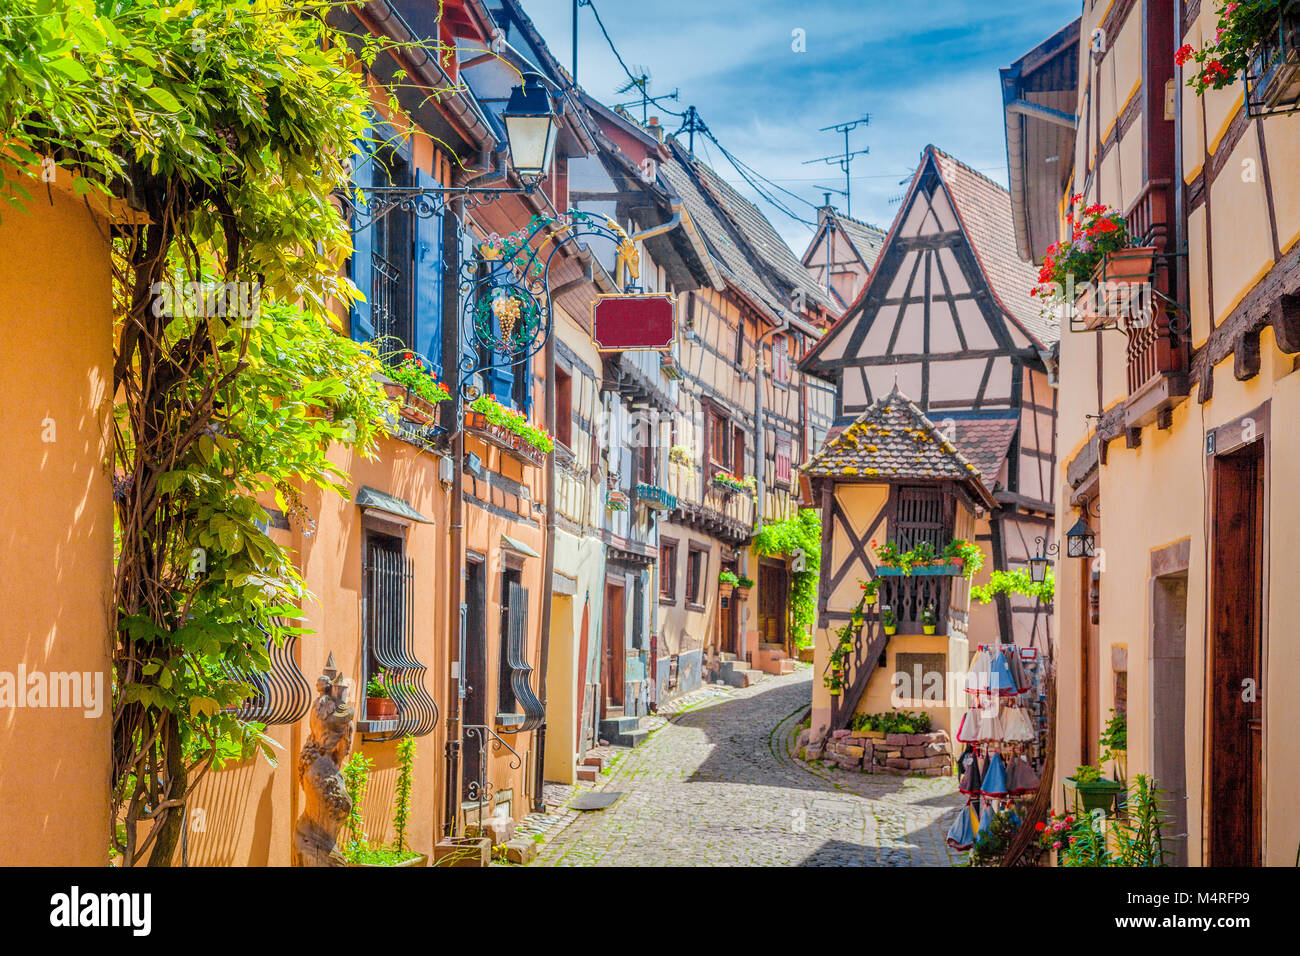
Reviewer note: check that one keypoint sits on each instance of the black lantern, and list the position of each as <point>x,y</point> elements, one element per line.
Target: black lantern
<point>531,127</point>
<point>1080,542</point>
<point>1038,569</point>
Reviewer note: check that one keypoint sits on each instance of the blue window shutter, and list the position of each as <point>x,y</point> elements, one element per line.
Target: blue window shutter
<point>362,268</point>
<point>428,282</point>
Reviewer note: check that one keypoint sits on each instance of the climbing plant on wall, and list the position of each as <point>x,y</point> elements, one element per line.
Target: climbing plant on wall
<point>225,127</point>
<point>802,530</point>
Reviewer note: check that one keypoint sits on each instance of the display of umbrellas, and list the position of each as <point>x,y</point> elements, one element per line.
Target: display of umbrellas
<point>995,682</point>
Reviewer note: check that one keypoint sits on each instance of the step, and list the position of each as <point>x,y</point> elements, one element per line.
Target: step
<point>727,656</point>
<point>613,726</point>
<point>588,773</point>
<point>787,666</point>
<point>742,677</point>
<point>632,738</point>
<point>594,760</point>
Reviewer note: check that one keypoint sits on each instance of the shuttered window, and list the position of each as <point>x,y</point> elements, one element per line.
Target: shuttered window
<point>783,462</point>
<point>920,518</point>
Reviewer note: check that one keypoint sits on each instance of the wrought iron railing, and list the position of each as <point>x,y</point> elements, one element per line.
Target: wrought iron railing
<point>281,694</point>
<point>517,659</point>
<point>390,601</point>
<point>385,292</point>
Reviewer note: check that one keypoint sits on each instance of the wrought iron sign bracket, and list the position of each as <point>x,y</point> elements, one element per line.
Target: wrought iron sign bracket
<point>368,204</point>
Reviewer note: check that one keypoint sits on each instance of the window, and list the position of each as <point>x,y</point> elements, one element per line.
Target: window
<point>389,634</point>
<point>564,408</point>
<point>668,570</point>
<point>719,438</point>
<point>781,362</point>
<point>783,456</point>
<point>514,608</point>
<point>697,565</point>
<point>738,452</point>
<point>740,342</point>
<point>397,261</point>
<point>920,517</point>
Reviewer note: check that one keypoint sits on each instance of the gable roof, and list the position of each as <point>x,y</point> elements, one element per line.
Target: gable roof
<point>893,439</point>
<point>983,210</point>
<point>867,240</point>
<point>749,251</point>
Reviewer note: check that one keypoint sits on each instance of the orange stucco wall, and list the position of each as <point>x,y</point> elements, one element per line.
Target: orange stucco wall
<point>56,514</point>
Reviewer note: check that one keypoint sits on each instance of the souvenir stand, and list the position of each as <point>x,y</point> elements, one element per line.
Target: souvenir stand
<point>1001,730</point>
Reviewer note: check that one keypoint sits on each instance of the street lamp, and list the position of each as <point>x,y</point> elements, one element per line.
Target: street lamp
<point>1038,563</point>
<point>1080,541</point>
<point>531,127</point>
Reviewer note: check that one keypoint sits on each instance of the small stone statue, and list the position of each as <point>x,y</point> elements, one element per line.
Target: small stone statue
<point>315,838</point>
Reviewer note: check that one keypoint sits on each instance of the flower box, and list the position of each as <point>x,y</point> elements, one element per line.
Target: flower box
<point>504,439</point>
<point>381,708</point>
<point>616,501</point>
<point>951,568</point>
<point>1274,68</point>
<point>1093,795</point>
<point>420,860</point>
<point>670,367</point>
<point>1117,289</point>
<point>656,498</point>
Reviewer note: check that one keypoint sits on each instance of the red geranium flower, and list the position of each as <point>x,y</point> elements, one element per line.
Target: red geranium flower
<point>1184,54</point>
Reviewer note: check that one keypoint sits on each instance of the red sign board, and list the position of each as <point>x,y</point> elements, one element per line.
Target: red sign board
<point>621,323</point>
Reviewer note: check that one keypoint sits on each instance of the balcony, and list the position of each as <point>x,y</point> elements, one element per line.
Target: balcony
<point>909,595</point>
<point>1158,342</point>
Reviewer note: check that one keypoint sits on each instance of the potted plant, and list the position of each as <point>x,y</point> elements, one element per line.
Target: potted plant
<point>869,590</point>
<point>728,482</point>
<point>743,586</point>
<point>1260,39</point>
<point>965,555</point>
<point>379,705</point>
<point>726,582</point>
<point>1088,790</point>
<point>412,382</point>
<point>928,619</point>
<point>1114,744</point>
<point>833,683</point>
<point>889,621</point>
<point>680,455</point>
<point>1075,267</point>
<point>358,850</point>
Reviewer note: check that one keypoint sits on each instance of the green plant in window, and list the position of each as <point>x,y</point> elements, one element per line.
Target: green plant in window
<point>745,582</point>
<point>728,577</point>
<point>376,687</point>
<point>1114,736</point>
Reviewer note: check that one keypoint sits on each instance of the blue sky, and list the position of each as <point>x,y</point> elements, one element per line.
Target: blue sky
<point>926,71</point>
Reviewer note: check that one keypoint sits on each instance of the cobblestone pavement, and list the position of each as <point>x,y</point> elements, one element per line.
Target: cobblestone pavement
<point>718,785</point>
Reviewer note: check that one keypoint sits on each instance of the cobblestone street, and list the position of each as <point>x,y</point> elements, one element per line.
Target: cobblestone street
<point>718,785</point>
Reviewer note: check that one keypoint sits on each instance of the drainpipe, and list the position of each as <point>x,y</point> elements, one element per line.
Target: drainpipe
<point>548,579</point>
<point>669,225</point>
<point>455,590</point>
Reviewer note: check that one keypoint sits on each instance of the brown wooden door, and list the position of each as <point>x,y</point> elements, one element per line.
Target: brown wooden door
<point>1236,688</point>
<point>773,592</point>
<point>612,642</point>
<point>728,619</point>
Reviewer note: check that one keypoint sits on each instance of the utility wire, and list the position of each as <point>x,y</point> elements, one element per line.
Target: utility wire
<point>636,81</point>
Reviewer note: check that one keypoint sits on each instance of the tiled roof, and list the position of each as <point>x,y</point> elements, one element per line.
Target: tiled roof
<point>985,442</point>
<point>866,238</point>
<point>892,439</point>
<point>748,250</point>
<point>985,211</point>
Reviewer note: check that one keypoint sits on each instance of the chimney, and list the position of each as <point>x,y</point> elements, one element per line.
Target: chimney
<point>655,129</point>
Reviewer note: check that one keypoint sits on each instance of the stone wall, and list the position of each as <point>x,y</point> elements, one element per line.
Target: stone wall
<point>870,751</point>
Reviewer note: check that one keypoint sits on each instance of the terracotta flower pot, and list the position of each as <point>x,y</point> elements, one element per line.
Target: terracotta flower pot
<point>381,708</point>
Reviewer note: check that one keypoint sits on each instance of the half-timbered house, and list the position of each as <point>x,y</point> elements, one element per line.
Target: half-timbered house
<point>892,475</point>
<point>1173,433</point>
<point>841,255</point>
<point>745,412</point>
<point>947,319</point>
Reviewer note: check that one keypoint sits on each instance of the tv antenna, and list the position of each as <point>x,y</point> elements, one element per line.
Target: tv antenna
<point>845,159</point>
<point>640,83</point>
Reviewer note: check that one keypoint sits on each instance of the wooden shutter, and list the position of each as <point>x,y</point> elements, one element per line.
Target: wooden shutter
<point>361,267</point>
<point>426,323</point>
<point>783,460</point>
<point>920,518</point>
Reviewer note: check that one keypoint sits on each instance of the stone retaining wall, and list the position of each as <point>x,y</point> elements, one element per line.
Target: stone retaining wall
<point>870,751</point>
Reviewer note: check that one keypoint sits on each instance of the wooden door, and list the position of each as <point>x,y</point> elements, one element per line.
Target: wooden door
<point>773,594</point>
<point>728,619</point>
<point>612,642</point>
<point>1236,692</point>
